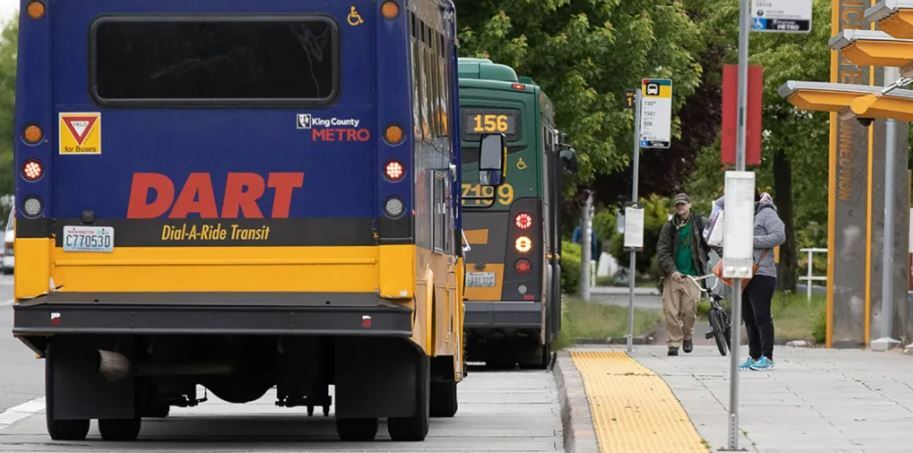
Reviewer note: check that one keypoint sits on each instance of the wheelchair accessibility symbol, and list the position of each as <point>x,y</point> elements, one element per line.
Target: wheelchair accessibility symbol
<point>521,165</point>
<point>354,18</point>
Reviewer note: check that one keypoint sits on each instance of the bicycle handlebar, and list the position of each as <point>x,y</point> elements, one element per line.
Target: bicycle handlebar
<point>697,280</point>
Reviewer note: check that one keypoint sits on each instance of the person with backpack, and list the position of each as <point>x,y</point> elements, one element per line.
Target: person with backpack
<point>681,251</point>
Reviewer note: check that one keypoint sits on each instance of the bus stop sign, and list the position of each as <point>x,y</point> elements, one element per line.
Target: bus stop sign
<point>784,16</point>
<point>656,114</point>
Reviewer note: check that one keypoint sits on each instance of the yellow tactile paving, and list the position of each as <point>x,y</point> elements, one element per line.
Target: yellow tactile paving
<point>633,409</point>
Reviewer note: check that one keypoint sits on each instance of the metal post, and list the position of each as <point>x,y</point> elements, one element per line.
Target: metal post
<point>810,274</point>
<point>635,181</point>
<point>744,30</point>
<point>887,272</point>
<point>586,245</point>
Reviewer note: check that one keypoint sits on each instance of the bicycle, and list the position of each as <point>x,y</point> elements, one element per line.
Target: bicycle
<point>720,327</point>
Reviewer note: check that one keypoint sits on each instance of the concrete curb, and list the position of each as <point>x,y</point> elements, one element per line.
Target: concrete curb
<point>576,419</point>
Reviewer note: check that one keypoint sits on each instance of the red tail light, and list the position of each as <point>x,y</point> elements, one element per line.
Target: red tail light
<point>522,266</point>
<point>32,170</point>
<point>394,170</point>
<point>523,221</point>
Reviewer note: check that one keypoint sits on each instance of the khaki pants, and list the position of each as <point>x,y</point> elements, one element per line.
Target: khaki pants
<point>680,300</point>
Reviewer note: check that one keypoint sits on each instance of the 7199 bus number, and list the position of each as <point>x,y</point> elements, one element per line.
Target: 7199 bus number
<point>505,194</point>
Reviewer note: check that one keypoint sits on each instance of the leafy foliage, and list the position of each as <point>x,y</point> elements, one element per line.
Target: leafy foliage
<point>8,49</point>
<point>585,54</point>
<point>801,136</point>
<point>570,267</point>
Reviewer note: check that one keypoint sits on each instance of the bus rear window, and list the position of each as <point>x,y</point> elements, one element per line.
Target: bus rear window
<point>211,60</point>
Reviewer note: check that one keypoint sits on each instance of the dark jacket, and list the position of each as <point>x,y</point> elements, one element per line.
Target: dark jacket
<point>667,246</point>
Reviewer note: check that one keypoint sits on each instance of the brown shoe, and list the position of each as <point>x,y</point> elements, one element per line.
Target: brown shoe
<point>673,351</point>
<point>688,346</point>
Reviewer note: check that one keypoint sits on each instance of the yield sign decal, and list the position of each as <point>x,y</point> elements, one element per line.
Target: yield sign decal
<point>80,126</point>
<point>80,133</point>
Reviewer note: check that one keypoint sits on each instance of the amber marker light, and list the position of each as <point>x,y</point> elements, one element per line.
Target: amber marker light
<point>32,134</point>
<point>389,9</point>
<point>36,9</point>
<point>523,244</point>
<point>393,134</point>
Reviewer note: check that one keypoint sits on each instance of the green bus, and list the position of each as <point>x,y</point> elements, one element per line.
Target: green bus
<point>513,270</point>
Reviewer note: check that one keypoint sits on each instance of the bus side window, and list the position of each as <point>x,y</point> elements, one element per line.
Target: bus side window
<point>416,78</point>
<point>445,89</point>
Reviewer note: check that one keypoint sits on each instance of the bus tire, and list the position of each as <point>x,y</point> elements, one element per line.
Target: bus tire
<point>444,399</point>
<point>59,429</point>
<point>356,429</point>
<point>119,429</point>
<point>415,428</point>
<point>67,429</point>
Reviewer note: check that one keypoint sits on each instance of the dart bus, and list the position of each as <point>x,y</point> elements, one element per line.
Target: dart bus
<point>241,196</point>
<point>513,272</point>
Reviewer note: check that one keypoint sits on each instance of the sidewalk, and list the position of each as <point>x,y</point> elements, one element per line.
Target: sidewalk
<point>816,400</point>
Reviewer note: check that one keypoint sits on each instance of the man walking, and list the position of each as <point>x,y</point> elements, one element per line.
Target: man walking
<point>682,251</point>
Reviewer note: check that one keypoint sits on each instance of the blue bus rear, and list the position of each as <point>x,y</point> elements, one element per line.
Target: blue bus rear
<point>240,179</point>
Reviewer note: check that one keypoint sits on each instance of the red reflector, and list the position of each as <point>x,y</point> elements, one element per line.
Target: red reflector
<point>519,87</point>
<point>366,322</point>
<point>32,170</point>
<point>523,221</point>
<point>522,266</point>
<point>529,297</point>
<point>394,170</point>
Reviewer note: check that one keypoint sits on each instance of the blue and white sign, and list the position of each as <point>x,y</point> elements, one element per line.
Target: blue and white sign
<point>783,16</point>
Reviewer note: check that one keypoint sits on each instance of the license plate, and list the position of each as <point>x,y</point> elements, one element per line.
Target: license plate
<point>480,279</point>
<point>88,239</point>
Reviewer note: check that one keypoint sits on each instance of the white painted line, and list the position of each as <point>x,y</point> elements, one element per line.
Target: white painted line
<point>24,410</point>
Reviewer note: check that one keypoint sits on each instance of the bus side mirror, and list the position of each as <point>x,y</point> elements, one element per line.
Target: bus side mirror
<point>569,160</point>
<point>492,154</point>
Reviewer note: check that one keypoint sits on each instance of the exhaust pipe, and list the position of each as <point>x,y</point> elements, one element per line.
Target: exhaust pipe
<point>114,366</point>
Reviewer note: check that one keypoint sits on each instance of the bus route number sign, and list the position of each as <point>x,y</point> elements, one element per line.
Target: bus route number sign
<point>478,122</point>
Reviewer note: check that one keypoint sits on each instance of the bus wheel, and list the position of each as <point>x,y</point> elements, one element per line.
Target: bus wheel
<point>59,429</point>
<point>415,428</point>
<point>67,429</point>
<point>119,429</point>
<point>356,429</point>
<point>444,399</point>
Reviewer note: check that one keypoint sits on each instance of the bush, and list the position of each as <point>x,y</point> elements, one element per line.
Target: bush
<point>819,326</point>
<point>570,267</point>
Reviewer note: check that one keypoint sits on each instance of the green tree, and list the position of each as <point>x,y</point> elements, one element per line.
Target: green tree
<point>8,49</point>
<point>794,142</point>
<point>585,54</point>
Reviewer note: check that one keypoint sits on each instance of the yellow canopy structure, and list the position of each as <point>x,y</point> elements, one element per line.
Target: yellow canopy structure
<point>873,48</point>
<point>894,17</point>
<point>862,100</point>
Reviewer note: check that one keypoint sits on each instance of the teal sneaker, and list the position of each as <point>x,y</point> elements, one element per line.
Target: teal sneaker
<point>747,364</point>
<point>763,364</point>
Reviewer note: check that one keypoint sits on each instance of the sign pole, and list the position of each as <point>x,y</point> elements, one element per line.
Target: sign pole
<point>634,199</point>
<point>744,30</point>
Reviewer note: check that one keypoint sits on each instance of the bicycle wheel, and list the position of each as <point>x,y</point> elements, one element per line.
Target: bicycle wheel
<point>719,331</point>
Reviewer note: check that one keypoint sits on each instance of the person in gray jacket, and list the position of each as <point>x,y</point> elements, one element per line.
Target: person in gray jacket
<point>769,232</point>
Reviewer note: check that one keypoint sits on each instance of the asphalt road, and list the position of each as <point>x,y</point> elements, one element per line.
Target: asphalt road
<point>21,375</point>
<point>499,411</point>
